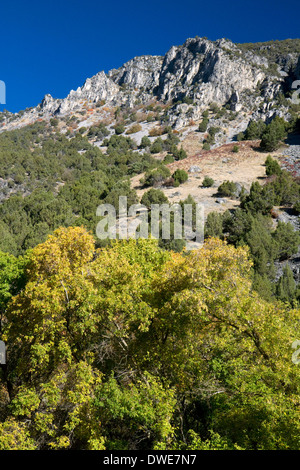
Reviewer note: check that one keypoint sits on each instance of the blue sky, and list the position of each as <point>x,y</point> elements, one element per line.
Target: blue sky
<point>52,47</point>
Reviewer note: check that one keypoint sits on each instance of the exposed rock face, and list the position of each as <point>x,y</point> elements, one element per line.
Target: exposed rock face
<point>99,87</point>
<point>49,104</point>
<point>205,70</point>
<point>202,70</point>
<point>140,72</point>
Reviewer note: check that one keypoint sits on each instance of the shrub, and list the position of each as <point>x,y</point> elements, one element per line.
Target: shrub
<point>207,182</point>
<point>54,122</point>
<point>235,148</point>
<point>272,166</point>
<point>287,240</point>
<point>187,100</point>
<point>227,189</point>
<point>154,196</point>
<point>179,154</point>
<point>214,225</point>
<point>145,142</point>
<point>214,107</point>
<point>168,159</point>
<point>156,176</point>
<point>157,131</point>
<point>156,147</point>
<point>206,146</point>
<point>254,130</point>
<point>286,286</point>
<point>180,176</point>
<point>119,129</point>
<point>213,131</point>
<point>296,207</point>
<point>260,199</point>
<point>133,129</point>
<point>203,125</point>
<point>275,133</point>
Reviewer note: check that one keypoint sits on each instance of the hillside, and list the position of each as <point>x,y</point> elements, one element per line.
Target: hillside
<point>147,344</point>
<point>204,107</point>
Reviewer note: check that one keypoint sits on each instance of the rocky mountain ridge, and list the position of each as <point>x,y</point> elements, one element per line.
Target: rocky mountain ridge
<point>190,76</point>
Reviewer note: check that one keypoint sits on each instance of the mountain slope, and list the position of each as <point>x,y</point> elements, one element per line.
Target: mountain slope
<point>245,77</point>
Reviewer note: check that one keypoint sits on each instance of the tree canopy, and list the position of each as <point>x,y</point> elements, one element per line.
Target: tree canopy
<point>134,347</point>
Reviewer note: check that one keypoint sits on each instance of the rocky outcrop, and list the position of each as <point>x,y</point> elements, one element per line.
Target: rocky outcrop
<point>49,104</point>
<point>201,70</point>
<point>99,87</point>
<point>206,71</point>
<point>140,72</point>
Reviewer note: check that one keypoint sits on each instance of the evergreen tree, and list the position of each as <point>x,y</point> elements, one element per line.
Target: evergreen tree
<point>274,133</point>
<point>286,286</point>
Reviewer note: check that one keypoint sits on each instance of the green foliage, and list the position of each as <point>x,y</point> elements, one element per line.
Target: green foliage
<point>153,196</point>
<point>130,347</point>
<point>141,411</point>
<point>14,435</point>
<point>11,279</point>
<point>187,100</point>
<point>254,130</point>
<point>274,133</point>
<point>119,129</point>
<point>179,176</point>
<point>121,188</point>
<point>54,122</point>
<point>296,207</point>
<point>157,146</point>
<point>207,182</point>
<point>156,176</point>
<point>272,166</point>
<point>214,108</point>
<point>274,49</point>
<point>214,225</point>
<point>203,125</point>
<point>227,189</point>
<point>283,190</point>
<point>252,225</point>
<point>259,200</point>
<point>286,286</point>
<point>287,240</point>
<point>60,186</point>
<point>168,159</point>
<point>145,142</point>
<point>262,246</point>
<point>100,131</point>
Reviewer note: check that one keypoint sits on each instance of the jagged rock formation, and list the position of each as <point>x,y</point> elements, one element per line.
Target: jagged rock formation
<point>99,87</point>
<point>205,71</point>
<point>201,70</point>
<point>140,72</point>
